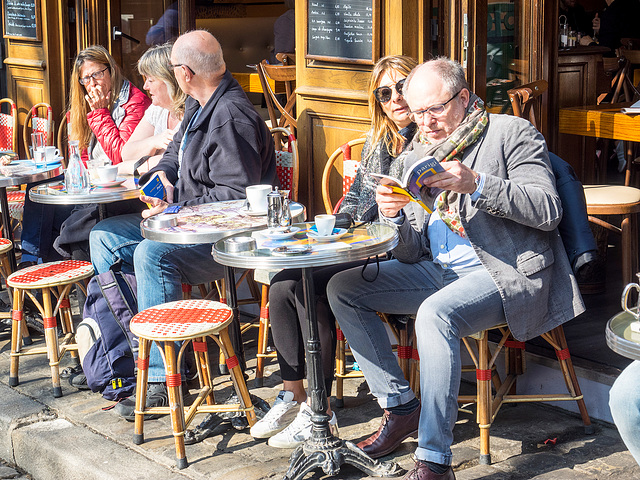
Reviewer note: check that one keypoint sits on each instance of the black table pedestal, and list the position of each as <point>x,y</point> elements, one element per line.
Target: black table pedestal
<point>234,327</point>
<point>323,449</point>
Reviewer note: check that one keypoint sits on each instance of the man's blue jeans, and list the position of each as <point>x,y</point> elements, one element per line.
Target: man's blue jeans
<point>624,401</point>
<point>449,306</point>
<point>160,268</point>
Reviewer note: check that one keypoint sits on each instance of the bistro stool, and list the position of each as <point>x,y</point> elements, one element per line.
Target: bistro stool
<point>55,278</point>
<point>185,321</point>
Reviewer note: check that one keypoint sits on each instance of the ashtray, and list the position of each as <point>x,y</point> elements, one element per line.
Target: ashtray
<point>239,244</point>
<point>162,221</point>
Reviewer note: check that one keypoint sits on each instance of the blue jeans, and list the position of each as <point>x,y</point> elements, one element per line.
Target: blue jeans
<point>624,401</point>
<point>160,268</point>
<point>448,306</point>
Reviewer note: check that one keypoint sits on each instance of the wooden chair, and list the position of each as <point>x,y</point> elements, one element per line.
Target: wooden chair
<point>342,163</point>
<point>39,119</point>
<point>288,170</point>
<point>287,75</point>
<point>9,127</point>
<point>187,321</point>
<point>63,138</point>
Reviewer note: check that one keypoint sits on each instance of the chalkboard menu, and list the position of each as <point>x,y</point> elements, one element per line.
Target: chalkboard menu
<point>342,31</point>
<point>21,19</point>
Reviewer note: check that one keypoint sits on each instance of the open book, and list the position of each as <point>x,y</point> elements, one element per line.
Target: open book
<point>633,109</point>
<point>412,184</point>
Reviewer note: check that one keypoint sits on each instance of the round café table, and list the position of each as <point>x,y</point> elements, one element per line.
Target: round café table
<point>208,223</point>
<point>322,450</point>
<point>53,193</point>
<point>621,338</point>
<point>20,172</point>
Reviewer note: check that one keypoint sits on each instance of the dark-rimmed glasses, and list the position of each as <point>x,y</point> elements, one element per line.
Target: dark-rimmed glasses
<point>433,110</point>
<point>176,65</point>
<point>96,76</point>
<point>383,94</point>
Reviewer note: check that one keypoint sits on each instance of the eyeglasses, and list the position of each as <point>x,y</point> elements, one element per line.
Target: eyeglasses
<point>176,65</point>
<point>383,94</point>
<point>96,76</point>
<point>433,110</point>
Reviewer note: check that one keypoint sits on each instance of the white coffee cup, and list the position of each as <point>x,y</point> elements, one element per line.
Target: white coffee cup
<point>325,224</point>
<point>52,153</point>
<point>108,173</point>
<point>257,197</point>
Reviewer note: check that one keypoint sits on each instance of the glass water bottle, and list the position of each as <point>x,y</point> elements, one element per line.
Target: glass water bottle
<point>76,177</point>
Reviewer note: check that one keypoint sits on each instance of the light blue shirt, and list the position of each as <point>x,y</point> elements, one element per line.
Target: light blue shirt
<point>449,249</point>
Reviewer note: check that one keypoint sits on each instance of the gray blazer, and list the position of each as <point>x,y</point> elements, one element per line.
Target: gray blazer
<point>512,228</point>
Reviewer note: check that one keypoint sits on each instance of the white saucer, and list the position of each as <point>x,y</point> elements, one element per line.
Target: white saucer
<point>281,233</point>
<point>114,183</point>
<point>337,233</point>
<point>253,213</point>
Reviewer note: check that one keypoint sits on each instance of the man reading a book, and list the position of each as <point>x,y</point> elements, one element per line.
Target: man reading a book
<point>222,147</point>
<point>489,253</point>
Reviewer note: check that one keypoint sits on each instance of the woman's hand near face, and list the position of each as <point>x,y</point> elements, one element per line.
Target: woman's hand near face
<point>97,98</point>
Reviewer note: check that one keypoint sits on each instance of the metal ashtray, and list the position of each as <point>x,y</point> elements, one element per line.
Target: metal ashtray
<point>239,244</point>
<point>162,221</point>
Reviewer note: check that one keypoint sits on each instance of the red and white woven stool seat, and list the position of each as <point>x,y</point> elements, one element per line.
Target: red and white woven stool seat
<point>181,320</point>
<point>51,274</point>
<point>16,203</point>
<point>5,245</point>
<point>54,280</point>
<point>188,321</point>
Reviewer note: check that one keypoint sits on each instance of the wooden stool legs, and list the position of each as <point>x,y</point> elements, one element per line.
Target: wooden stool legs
<point>263,336</point>
<point>54,349</point>
<point>181,417</point>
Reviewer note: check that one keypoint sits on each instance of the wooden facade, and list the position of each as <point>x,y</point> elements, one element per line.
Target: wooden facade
<point>501,43</point>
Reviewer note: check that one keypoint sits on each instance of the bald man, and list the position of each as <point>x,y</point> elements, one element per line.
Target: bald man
<point>222,147</point>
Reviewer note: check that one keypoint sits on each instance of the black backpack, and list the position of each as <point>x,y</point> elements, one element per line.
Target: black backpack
<point>106,347</point>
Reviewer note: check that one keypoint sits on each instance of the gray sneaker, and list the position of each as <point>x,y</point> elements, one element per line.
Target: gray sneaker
<point>281,414</point>
<point>300,429</point>
<point>157,396</point>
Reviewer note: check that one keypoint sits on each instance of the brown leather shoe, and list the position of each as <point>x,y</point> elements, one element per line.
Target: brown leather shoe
<point>421,471</point>
<point>393,430</point>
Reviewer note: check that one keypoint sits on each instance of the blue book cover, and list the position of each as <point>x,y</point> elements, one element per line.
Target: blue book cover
<point>153,188</point>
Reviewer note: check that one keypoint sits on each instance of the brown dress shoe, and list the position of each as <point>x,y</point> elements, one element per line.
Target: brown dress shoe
<point>393,430</point>
<point>421,471</point>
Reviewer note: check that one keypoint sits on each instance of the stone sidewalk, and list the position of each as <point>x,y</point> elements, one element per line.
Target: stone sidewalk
<point>72,437</point>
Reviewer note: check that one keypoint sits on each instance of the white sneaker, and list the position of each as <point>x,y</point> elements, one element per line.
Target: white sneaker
<point>281,414</point>
<point>300,429</point>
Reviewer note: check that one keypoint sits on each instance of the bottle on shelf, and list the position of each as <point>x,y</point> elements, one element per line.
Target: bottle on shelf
<point>76,176</point>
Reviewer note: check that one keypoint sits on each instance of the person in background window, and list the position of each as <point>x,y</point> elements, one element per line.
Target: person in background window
<point>618,20</point>
<point>162,119</point>
<point>284,31</point>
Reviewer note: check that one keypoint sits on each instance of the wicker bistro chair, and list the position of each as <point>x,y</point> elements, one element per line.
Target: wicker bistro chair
<point>52,279</point>
<point>38,123</point>
<point>9,127</point>
<point>187,321</point>
<point>279,115</point>
<point>288,170</point>
<point>342,163</point>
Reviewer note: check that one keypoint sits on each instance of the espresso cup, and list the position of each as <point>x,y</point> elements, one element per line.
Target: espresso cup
<point>257,197</point>
<point>325,224</point>
<point>108,173</point>
<point>51,153</point>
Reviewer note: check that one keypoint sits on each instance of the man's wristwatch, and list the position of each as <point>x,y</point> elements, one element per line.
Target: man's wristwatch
<point>477,182</point>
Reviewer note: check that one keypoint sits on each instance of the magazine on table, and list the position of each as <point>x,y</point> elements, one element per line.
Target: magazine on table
<point>412,183</point>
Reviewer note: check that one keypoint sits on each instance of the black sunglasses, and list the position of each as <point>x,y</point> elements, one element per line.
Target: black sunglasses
<point>383,94</point>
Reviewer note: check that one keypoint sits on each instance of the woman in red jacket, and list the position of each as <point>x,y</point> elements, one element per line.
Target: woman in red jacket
<point>104,107</point>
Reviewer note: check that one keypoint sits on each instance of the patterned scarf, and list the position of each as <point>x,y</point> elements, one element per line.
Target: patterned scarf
<point>452,148</point>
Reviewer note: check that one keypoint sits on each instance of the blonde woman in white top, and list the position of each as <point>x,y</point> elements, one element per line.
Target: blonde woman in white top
<point>162,119</point>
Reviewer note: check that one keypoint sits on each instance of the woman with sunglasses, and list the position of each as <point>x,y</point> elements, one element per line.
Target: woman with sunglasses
<point>162,119</point>
<point>288,423</point>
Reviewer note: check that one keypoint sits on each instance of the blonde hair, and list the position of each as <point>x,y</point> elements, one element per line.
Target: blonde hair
<point>382,127</point>
<point>78,106</point>
<point>156,62</point>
